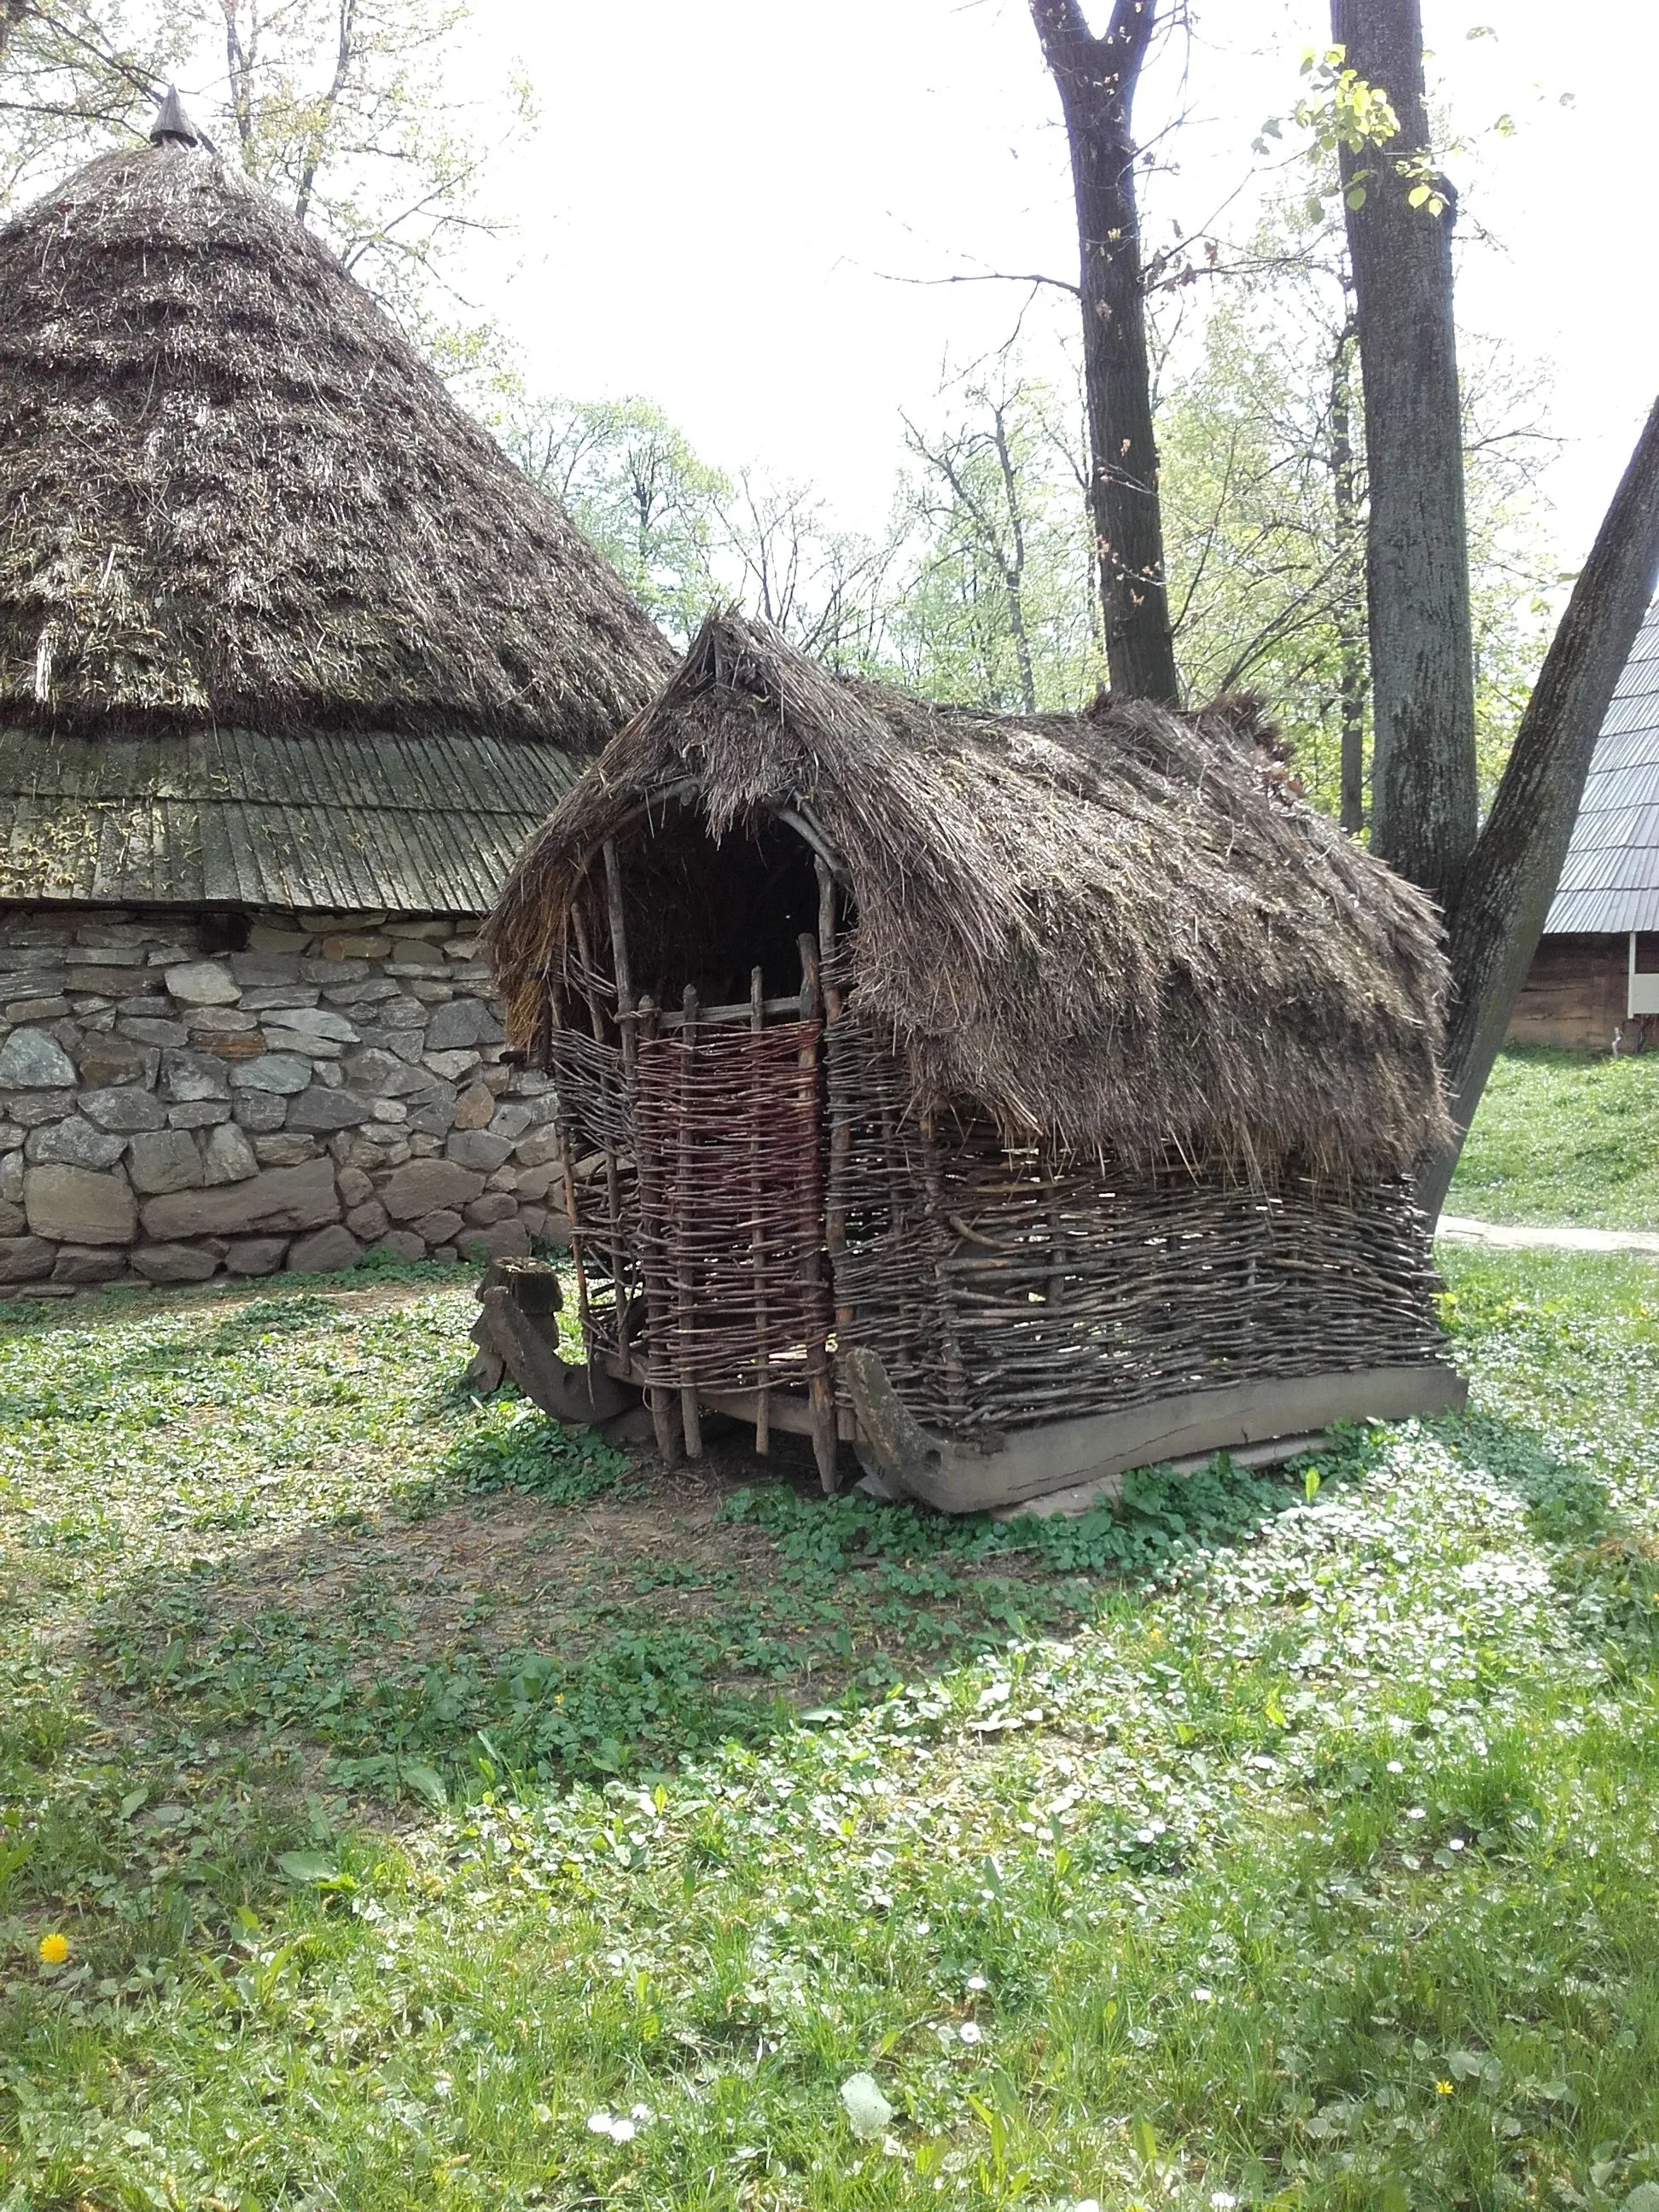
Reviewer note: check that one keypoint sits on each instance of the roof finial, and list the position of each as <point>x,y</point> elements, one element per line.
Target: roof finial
<point>171,122</point>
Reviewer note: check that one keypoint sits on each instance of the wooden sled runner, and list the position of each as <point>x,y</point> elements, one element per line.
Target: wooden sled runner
<point>1073,1463</point>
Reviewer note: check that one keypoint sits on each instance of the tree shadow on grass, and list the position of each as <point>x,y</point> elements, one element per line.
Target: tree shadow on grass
<point>542,1611</point>
<point>546,1607</point>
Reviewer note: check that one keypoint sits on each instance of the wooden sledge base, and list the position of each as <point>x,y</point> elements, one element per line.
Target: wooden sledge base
<point>1060,1455</point>
<point>525,1345</point>
<point>1088,1497</point>
<point>1068,1465</point>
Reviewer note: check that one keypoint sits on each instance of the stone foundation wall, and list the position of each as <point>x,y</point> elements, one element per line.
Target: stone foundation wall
<point>169,1112</point>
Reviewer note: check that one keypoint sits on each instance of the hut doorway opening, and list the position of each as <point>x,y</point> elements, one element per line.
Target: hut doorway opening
<point>694,1108</point>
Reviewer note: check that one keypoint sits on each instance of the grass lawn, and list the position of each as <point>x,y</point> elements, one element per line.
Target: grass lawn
<point>438,1811</point>
<point>1565,1136</point>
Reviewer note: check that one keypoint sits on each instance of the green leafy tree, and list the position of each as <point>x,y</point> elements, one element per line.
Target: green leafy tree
<point>342,109</point>
<point>827,589</point>
<point>630,480</point>
<point>1266,505</point>
<point>995,603</point>
<point>76,77</point>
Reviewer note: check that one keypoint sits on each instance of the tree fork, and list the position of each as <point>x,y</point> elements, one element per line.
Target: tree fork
<point>1095,79</point>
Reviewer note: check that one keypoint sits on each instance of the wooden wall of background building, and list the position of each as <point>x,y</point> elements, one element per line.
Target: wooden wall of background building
<point>1576,992</point>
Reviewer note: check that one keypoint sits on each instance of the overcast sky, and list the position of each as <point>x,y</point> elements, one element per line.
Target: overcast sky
<point>720,195</point>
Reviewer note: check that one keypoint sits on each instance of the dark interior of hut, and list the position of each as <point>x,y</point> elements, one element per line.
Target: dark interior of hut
<point>707,913</point>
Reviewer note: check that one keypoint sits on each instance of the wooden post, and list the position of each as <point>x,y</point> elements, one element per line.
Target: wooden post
<point>757,1239</point>
<point>541,1052</point>
<point>619,953</point>
<point>841,1129</point>
<point>1048,1167</point>
<point>955,1380</point>
<point>562,1123</point>
<point>821,1389</point>
<point>682,1284</point>
<point>664,1425</point>
<point>629,1060</point>
<point>612,1181</point>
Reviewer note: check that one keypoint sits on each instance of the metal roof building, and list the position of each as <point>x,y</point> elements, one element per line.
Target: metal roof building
<point>1595,981</point>
<point>1610,878</point>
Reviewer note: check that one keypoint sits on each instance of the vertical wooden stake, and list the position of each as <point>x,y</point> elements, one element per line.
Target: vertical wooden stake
<point>757,1239</point>
<point>541,1052</point>
<point>955,1381</point>
<point>684,1287</point>
<point>841,1127</point>
<point>825,1440</point>
<point>657,1396</point>
<point>612,1182</point>
<point>626,1026</point>
<point>562,1124</point>
<point>1049,1167</point>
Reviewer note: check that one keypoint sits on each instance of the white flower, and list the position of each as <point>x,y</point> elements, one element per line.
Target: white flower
<point>971,2031</point>
<point>977,1982</point>
<point>619,2130</point>
<point>868,2111</point>
<point>642,2114</point>
<point>1395,1767</point>
<point>1222,2200</point>
<point>1201,1996</point>
<point>1416,1813</point>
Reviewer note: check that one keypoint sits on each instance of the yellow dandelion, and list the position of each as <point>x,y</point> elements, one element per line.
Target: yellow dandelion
<point>1442,2089</point>
<point>54,1949</point>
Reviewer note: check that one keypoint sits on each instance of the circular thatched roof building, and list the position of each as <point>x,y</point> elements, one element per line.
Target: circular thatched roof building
<point>279,624</point>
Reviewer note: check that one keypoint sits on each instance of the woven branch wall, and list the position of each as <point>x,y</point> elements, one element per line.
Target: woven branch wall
<point>1000,1286</point>
<point>1005,1286</point>
<point>731,1205</point>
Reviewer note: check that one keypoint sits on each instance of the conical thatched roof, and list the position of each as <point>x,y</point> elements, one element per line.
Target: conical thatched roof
<point>1108,925</point>
<point>231,493</point>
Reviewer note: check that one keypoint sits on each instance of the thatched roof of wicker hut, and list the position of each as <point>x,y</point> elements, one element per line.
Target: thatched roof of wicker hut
<point>231,492</point>
<point>1113,925</point>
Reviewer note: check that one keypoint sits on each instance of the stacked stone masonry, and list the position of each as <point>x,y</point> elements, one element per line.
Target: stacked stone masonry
<point>334,1089</point>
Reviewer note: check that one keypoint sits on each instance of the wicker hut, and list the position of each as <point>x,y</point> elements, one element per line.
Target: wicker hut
<point>292,661</point>
<point>1016,1100</point>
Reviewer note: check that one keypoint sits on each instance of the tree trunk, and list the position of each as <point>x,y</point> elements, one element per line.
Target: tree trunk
<point>1013,570</point>
<point>12,13</point>
<point>1344,496</point>
<point>1498,913</point>
<point>1425,800</point>
<point>1095,79</point>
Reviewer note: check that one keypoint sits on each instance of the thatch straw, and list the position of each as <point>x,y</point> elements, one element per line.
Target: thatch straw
<point>1109,926</point>
<point>231,490</point>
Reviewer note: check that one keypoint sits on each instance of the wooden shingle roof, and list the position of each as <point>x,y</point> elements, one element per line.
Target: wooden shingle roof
<point>347,821</point>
